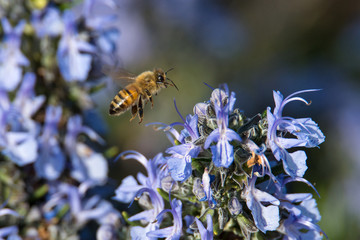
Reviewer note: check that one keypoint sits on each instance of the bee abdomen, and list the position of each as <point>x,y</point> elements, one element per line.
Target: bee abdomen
<point>123,100</point>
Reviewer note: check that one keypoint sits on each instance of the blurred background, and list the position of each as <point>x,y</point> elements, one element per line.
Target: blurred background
<point>255,47</point>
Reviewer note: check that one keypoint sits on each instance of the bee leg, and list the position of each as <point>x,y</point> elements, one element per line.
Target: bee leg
<point>151,100</point>
<point>149,97</point>
<point>141,110</point>
<point>134,110</point>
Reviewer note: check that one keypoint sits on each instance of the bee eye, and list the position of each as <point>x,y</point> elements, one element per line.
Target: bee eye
<point>160,78</point>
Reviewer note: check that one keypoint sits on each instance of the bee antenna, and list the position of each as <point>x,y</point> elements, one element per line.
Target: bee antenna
<point>172,83</point>
<point>169,70</point>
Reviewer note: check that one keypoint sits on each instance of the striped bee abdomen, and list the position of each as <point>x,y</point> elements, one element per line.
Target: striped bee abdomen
<point>123,100</point>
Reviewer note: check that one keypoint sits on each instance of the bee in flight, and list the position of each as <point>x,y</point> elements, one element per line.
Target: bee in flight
<point>139,92</point>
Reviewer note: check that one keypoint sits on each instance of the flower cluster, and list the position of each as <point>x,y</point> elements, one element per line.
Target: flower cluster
<point>51,159</point>
<point>229,171</point>
<point>225,175</point>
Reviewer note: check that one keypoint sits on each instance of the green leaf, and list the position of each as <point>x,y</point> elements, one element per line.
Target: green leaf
<point>258,236</point>
<point>246,224</point>
<point>163,194</point>
<point>41,191</point>
<point>111,152</point>
<point>264,114</point>
<point>126,216</point>
<point>199,164</point>
<point>64,210</point>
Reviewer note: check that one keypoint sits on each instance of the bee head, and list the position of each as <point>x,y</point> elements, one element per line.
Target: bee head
<point>160,76</point>
<point>162,79</point>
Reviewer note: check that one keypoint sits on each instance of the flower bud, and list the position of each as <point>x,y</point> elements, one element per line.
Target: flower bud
<point>198,190</point>
<point>167,183</point>
<point>223,217</point>
<point>234,206</point>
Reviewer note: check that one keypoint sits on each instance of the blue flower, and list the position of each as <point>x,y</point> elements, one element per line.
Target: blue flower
<point>179,161</point>
<point>301,222</point>
<point>234,206</point>
<point>188,135</point>
<point>173,232</point>
<point>206,234</point>
<point>188,221</point>
<point>105,36</point>
<point>198,189</point>
<point>202,189</point>
<point>107,40</point>
<point>130,190</point>
<point>109,225</point>
<point>18,131</point>
<point>94,19</point>
<point>305,130</point>
<point>21,148</point>
<point>11,58</point>
<point>7,211</point>
<point>86,163</point>
<point>206,180</point>
<point>157,203</point>
<point>82,208</point>
<point>10,232</point>
<point>223,151</point>
<point>190,127</point>
<point>297,228</point>
<point>127,190</point>
<point>302,209</point>
<point>264,207</point>
<point>51,159</point>
<point>26,101</point>
<point>139,233</point>
<point>200,109</point>
<point>47,22</point>
<point>73,53</point>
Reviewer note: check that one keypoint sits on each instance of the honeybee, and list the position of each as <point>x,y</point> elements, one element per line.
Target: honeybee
<point>139,92</point>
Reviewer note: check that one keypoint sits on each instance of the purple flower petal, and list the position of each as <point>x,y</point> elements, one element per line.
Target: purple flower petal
<point>180,168</point>
<point>10,232</point>
<point>146,215</point>
<point>206,234</point>
<point>305,130</point>
<point>48,23</point>
<point>11,58</point>
<point>213,137</point>
<point>200,109</point>
<point>22,148</point>
<point>139,233</point>
<point>51,160</point>
<point>73,63</point>
<point>126,191</point>
<point>162,233</point>
<point>222,153</point>
<point>7,211</point>
<point>295,163</point>
<point>266,218</point>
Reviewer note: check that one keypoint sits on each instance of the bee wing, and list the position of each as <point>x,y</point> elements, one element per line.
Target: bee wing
<point>119,75</point>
